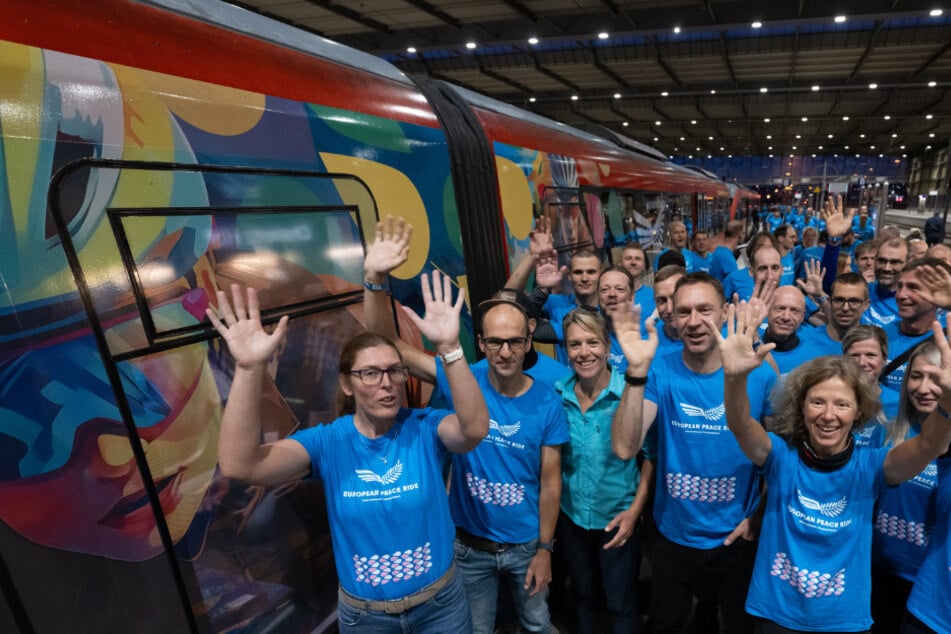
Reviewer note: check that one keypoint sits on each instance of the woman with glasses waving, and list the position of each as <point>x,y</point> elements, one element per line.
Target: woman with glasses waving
<point>380,464</point>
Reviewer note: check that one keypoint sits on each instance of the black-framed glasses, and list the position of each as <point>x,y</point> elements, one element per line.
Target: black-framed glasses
<point>853,302</point>
<point>372,377</point>
<point>495,343</point>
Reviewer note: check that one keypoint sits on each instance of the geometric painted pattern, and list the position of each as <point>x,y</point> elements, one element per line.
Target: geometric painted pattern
<point>810,584</point>
<point>497,493</point>
<point>399,566</point>
<point>913,532</point>
<point>699,489</point>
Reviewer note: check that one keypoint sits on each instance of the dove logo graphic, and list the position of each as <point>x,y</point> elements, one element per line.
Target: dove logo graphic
<point>505,430</point>
<point>714,413</point>
<point>931,471</point>
<point>392,474</point>
<point>829,509</point>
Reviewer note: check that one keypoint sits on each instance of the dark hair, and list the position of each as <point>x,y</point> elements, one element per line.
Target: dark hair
<point>348,356</point>
<point>623,271</point>
<point>671,257</point>
<point>691,279</point>
<point>865,332</point>
<point>664,273</point>
<point>852,278</point>
<point>733,229</point>
<point>935,262</point>
<point>637,246</point>
<point>781,230</point>
<point>582,253</point>
<point>757,248</point>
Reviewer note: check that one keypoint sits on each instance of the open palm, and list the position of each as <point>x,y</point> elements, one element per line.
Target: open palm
<point>440,324</point>
<point>390,246</point>
<point>249,343</point>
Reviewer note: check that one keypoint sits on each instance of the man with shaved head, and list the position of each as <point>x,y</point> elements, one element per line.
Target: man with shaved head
<point>786,313</point>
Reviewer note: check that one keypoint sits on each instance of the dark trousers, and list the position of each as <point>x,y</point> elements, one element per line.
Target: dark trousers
<point>762,626</point>
<point>593,569</point>
<point>719,576</point>
<point>889,595</point>
<point>913,625</point>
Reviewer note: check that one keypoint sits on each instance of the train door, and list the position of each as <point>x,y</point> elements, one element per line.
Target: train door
<point>128,523</point>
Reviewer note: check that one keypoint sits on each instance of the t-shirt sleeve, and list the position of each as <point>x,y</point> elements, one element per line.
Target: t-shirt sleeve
<point>556,423</point>
<point>313,439</point>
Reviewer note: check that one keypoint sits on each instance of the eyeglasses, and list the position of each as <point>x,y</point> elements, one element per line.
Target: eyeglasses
<point>853,302</point>
<point>372,377</point>
<point>495,344</point>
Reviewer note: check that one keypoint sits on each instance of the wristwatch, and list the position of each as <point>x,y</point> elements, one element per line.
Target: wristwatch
<point>549,546</point>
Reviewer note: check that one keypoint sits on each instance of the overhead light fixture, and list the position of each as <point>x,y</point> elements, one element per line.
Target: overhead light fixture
<point>795,147</point>
<point>769,136</point>
<point>470,45</point>
<point>846,147</point>
<point>711,138</point>
<point>574,97</point>
<point>770,147</point>
<point>932,84</point>
<point>862,136</point>
<point>929,116</point>
<point>410,49</point>
<point>764,89</point>
<point>617,95</point>
<point>766,120</point>
<point>887,117</point>
<point>721,149</point>
<point>815,88</point>
<point>698,149</point>
<point>681,138</point>
<point>830,136</point>
<point>936,13</point>
<point>901,147</point>
<point>871,147</point>
<point>798,136</point>
<point>804,119</point>
<point>656,139</point>
<point>693,122</point>
<point>665,94</point>
<point>820,147</point>
<point>676,29</point>
<point>658,122</point>
<point>931,135</point>
<point>532,99</point>
<point>839,19</point>
<point>757,24</point>
<point>713,92</point>
<point>845,117</point>
<point>625,124</point>
<point>533,40</point>
<point>872,86</point>
<point>603,35</point>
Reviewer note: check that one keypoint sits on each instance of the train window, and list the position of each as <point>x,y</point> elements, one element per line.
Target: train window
<point>629,216</point>
<point>569,225</point>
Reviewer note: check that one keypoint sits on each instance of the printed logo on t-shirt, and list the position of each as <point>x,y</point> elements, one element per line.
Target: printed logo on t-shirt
<point>829,509</point>
<point>713,413</point>
<point>495,493</point>
<point>928,478</point>
<point>810,583</point>
<point>393,567</point>
<point>699,489</point>
<point>901,529</point>
<point>388,488</point>
<point>505,430</point>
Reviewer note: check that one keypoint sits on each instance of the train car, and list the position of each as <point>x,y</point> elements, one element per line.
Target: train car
<point>152,152</point>
<point>744,206</point>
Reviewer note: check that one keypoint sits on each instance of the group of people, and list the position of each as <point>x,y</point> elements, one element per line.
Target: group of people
<point>782,425</point>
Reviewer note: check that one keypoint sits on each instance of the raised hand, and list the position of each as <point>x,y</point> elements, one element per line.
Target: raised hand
<point>389,249</point>
<point>944,375</point>
<point>547,272</point>
<point>638,351</point>
<point>541,242</point>
<point>812,285</point>
<point>241,328</point>
<point>738,351</point>
<point>762,291</point>
<point>440,324</point>
<point>937,284</point>
<point>838,219</point>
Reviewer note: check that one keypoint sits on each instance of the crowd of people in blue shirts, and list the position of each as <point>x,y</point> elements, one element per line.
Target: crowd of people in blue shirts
<point>761,434</point>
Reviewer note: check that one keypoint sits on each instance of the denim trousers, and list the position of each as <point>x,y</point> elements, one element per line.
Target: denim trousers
<point>591,568</point>
<point>448,611</point>
<point>481,572</point>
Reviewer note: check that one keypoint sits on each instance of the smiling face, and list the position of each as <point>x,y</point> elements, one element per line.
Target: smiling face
<point>786,312</point>
<point>923,385</point>
<point>587,352</point>
<point>700,242</point>
<point>888,263</point>
<point>829,412</point>
<point>634,261</point>
<point>868,354</point>
<point>848,302</point>
<point>911,306</point>
<point>693,305</point>
<point>614,291</point>
<point>664,299</point>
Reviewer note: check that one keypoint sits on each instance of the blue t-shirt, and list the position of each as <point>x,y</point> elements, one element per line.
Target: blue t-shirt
<point>863,233</point>
<point>688,258</point>
<point>556,307</point>
<point>890,398</point>
<point>789,269</point>
<point>813,559</point>
<point>545,369</point>
<point>495,487</point>
<point>644,297</point>
<point>882,308</point>
<point>904,521</point>
<point>739,282</point>
<point>386,501</point>
<point>705,484</point>
<point>664,343</point>
<point>898,342</point>
<point>722,263</point>
<point>596,485</point>
<point>929,596</point>
<point>813,342</point>
<point>700,264</point>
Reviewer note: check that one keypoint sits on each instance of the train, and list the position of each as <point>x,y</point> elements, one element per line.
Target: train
<point>154,151</point>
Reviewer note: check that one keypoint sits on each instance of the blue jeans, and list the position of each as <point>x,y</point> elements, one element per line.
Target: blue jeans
<point>481,571</point>
<point>448,611</point>
<point>590,567</point>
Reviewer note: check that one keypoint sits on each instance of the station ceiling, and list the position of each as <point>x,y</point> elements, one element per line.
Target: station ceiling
<point>689,77</point>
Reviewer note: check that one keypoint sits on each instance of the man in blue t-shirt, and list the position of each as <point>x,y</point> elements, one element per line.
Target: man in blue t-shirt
<point>915,318</point>
<point>786,239</point>
<point>722,260</point>
<point>706,490</point>
<point>786,313</point>
<point>700,258</point>
<point>889,260</point>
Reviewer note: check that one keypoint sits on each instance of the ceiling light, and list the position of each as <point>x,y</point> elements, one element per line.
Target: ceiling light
<point>625,124</point>
<point>815,88</point>
<point>856,156</point>
<point>769,136</point>
<point>665,94</point>
<point>574,97</point>
<point>872,147</point>
<point>766,120</point>
<point>904,156</point>
<point>887,117</point>
<point>931,135</point>
<point>681,138</point>
<point>729,156</point>
<point>830,136</point>
<point>845,117</point>
<point>862,136</point>
<point>927,147</point>
<point>901,147</point>
<point>656,139</point>
<point>693,122</point>
<point>470,45</point>
<point>770,147</point>
<point>839,19</point>
<point>709,156</point>
<point>698,149</point>
<point>820,147</point>
<point>929,116</point>
<point>532,99</point>
<point>932,84</point>
<point>410,49</point>
<point>658,122</point>
<point>846,147</point>
<point>764,89</point>
<point>804,119</point>
<point>894,136</point>
<point>935,13</point>
<point>757,24</point>
<point>533,40</point>
<point>721,149</point>
<point>872,86</point>
<point>713,92</point>
<point>798,136</point>
<point>676,29</point>
<point>795,147</point>
<point>711,138</point>
<point>603,35</point>
<point>770,156</point>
